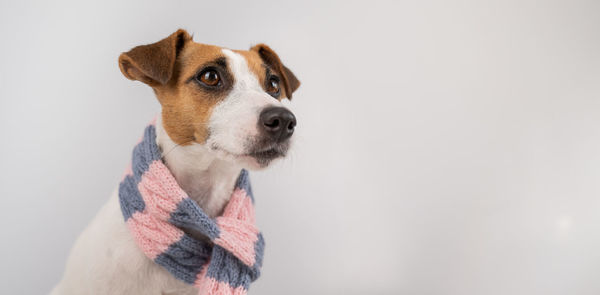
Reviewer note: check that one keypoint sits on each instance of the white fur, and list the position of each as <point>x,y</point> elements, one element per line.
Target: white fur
<point>105,258</point>
<point>205,176</point>
<point>235,120</point>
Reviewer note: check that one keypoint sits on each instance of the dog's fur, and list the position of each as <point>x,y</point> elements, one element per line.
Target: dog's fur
<point>206,134</point>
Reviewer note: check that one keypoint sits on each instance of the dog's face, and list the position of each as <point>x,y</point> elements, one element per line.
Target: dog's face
<point>228,101</point>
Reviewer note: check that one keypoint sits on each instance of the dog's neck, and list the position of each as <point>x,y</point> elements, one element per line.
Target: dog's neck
<point>206,179</point>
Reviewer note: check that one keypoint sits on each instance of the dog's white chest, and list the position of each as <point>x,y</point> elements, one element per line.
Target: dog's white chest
<point>106,260</point>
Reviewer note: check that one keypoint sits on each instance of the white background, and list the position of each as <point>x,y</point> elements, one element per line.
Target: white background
<point>443,147</point>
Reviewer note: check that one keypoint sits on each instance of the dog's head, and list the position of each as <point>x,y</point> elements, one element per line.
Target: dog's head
<point>228,101</point>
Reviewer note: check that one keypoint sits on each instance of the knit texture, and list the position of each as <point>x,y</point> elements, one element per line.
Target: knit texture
<point>157,211</point>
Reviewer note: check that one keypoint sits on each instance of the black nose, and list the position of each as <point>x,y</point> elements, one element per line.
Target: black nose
<point>277,122</point>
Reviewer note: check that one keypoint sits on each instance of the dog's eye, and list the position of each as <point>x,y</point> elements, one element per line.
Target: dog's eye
<point>209,77</point>
<point>273,86</point>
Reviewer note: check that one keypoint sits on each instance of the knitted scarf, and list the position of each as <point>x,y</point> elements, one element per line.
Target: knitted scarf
<point>157,210</point>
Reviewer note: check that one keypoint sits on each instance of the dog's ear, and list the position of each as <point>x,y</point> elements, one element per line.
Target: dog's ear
<point>154,63</point>
<point>269,57</point>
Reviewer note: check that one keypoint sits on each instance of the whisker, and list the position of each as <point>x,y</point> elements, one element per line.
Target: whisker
<point>175,146</point>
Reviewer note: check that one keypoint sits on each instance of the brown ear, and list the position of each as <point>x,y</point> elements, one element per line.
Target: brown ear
<point>290,82</point>
<point>153,64</point>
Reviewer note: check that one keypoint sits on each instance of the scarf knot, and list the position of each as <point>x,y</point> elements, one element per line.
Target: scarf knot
<point>157,211</point>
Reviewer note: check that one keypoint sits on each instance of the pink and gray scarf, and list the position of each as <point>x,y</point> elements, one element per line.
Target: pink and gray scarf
<point>158,213</point>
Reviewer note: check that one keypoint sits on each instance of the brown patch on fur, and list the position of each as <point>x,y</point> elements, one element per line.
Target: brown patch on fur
<point>167,67</point>
<point>288,80</point>
<point>186,108</point>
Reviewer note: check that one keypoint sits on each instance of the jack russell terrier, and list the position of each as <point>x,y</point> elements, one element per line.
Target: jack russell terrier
<point>186,199</point>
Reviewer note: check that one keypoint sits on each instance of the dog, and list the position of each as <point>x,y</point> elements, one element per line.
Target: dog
<point>221,112</point>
